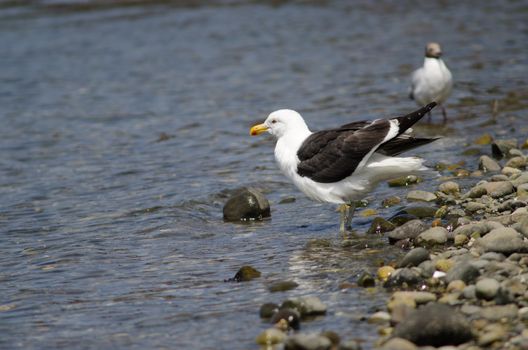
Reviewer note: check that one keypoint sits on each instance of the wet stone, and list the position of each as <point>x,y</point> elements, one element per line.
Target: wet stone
<point>420,212</point>
<point>380,225</point>
<point>501,148</point>
<point>247,204</point>
<point>390,201</point>
<point>463,271</point>
<point>401,219</point>
<point>302,341</point>
<point>434,235</point>
<point>404,181</point>
<point>349,345</point>
<point>418,297</point>
<point>522,191</point>
<point>498,189</point>
<point>379,317</point>
<point>436,325</point>
<point>286,319</point>
<point>410,229</point>
<point>488,164</point>
<point>270,336</point>
<point>267,310</point>
<point>385,272</point>
<point>398,344</point>
<point>310,306</point>
<point>414,257</point>
<point>419,195</point>
<point>246,273</point>
<point>517,163</point>
<point>403,278</point>
<point>282,286</point>
<point>366,280</point>
<point>449,187</point>
<point>498,312</point>
<point>484,139</point>
<point>473,207</point>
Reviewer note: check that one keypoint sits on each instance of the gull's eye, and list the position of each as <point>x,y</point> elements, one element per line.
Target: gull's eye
<point>273,121</point>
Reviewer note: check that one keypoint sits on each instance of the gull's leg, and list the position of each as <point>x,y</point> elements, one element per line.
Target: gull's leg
<point>350,208</point>
<point>429,116</point>
<point>444,113</point>
<point>342,217</point>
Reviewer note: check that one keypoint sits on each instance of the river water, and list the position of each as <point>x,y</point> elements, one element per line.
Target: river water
<point>125,125</point>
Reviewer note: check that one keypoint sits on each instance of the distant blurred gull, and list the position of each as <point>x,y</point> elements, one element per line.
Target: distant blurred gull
<point>344,164</point>
<point>432,82</point>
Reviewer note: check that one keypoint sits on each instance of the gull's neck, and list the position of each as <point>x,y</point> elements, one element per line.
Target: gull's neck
<point>431,63</point>
<point>287,147</point>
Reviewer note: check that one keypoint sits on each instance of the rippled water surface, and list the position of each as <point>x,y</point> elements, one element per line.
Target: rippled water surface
<point>123,125</point>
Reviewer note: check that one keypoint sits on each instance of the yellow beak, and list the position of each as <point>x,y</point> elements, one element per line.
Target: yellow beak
<point>258,129</point>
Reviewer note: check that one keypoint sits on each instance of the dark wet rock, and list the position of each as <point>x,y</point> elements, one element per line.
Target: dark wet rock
<point>380,225</point>
<point>436,325</point>
<point>449,187</point>
<point>422,196</point>
<point>401,219</point>
<point>410,229</point>
<point>434,235</point>
<point>488,164</point>
<point>404,181</point>
<point>390,201</point>
<point>268,309</point>
<point>404,277</point>
<point>487,288</point>
<point>286,319</point>
<point>414,257</point>
<point>501,148</point>
<point>463,271</point>
<point>247,204</point>
<point>398,344</point>
<point>302,341</point>
<point>246,273</point>
<point>503,240</point>
<point>516,162</point>
<point>282,286</point>
<point>366,280</point>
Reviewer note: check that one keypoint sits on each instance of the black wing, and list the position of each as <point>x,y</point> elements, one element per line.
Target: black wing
<point>332,155</point>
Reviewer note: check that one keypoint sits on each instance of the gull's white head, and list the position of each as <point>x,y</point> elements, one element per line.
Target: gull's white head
<point>280,123</point>
<point>433,50</point>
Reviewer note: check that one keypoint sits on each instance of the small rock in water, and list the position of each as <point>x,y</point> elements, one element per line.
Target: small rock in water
<point>420,212</point>
<point>485,139</point>
<point>487,288</point>
<point>366,280</point>
<point>282,286</point>
<point>434,235</point>
<point>449,187</point>
<point>246,273</point>
<point>268,309</point>
<point>410,229</point>
<point>286,319</point>
<point>436,325</point>
<point>301,341</point>
<point>287,200</point>
<point>488,164</point>
<point>385,272</point>
<point>404,277</point>
<point>404,181</point>
<point>414,257</point>
<point>379,317</point>
<point>501,148</point>
<point>390,201</point>
<point>247,204</point>
<point>419,195</point>
<point>380,225</point>
<point>310,305</point>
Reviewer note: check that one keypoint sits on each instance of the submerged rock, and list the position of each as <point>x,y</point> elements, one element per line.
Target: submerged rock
<point>436,325</point>
<point>309,305</point>
<point>366,280</point>
<point>380,225</point>
<point>267,310</point>
<point>404,181</point>
<point>449,187</point>
<point>282,286</point>
<point>390,201</point>
<point>247,204</point>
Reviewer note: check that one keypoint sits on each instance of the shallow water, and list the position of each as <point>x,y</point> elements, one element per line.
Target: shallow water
<point>122,127</point>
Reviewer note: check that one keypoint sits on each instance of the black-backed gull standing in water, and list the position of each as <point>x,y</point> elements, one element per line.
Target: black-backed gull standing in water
<point>344,164</point>
<point>433,81</point>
